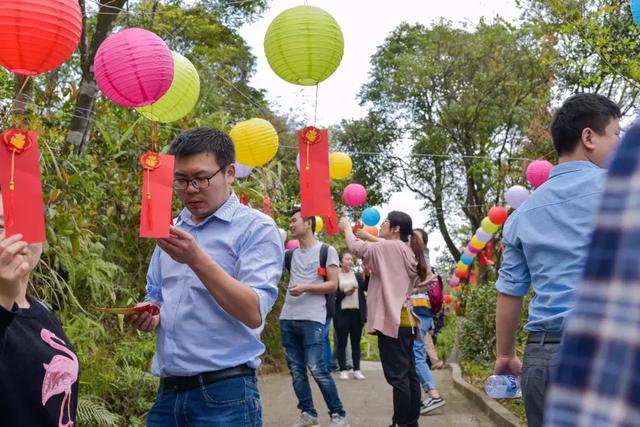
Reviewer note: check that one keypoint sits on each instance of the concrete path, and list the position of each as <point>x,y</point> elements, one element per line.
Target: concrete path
<point>368,403</point>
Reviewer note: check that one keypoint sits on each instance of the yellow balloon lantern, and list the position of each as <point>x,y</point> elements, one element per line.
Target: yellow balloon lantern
<point>476,243</point>
<point>319,224</point>
<point>181,97</point>
<point>256,142</point>
<point>340,166</point>
<point>462,267</point>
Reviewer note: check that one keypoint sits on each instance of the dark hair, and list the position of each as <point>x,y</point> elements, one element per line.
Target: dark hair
<point>204,140</point>
<point>343,253</point>
<point>311,219</point>
<point>402,220</point>
<point>423,234</point>
<point>584,110</point>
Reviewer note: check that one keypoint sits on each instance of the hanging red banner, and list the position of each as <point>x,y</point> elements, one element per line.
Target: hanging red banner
<point>157,191</point>
<point>315,184</point>
<point>21,185</point>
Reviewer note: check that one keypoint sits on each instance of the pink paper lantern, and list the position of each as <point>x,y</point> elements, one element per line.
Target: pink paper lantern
<point>293,244</point>
<point>538,172</point>
<point>133,68</point>
<point>354,195</point>
<point>472,249</point>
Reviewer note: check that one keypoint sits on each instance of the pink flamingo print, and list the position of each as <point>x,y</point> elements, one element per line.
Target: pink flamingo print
<point>60,375</point>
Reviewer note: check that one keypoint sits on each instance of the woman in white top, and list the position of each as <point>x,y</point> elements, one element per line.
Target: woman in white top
<point>351,314</point>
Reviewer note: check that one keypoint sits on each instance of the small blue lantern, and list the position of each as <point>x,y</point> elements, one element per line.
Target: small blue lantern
<point>466,260</point>
<point>635,11</point>
<point>371,217</point>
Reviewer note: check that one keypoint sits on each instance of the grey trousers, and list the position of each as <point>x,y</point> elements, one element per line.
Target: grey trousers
<point>538,361</point>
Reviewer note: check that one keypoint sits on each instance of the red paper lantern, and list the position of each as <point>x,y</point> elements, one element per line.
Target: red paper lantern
<point>447,299</point>
<point>38,35</point>
<point>498,215</point>
<point>461,274</point>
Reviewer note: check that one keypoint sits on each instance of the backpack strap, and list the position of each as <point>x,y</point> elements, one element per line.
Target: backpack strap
<point>288,256</point>
<point>324,254</point>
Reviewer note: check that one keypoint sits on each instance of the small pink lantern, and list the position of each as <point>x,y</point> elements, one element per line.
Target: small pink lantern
<point>473,249</point>
<point>354,195</point>
<point>293,244</point>
<point>538,172</point>
<point>133,68</point>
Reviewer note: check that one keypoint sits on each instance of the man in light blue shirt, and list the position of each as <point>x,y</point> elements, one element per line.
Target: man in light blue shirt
<point>546,243</point>
<point>215,280</point>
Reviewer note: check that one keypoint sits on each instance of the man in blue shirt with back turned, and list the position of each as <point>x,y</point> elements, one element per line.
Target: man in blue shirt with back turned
<point>546,243</point>
<point>215,280</point>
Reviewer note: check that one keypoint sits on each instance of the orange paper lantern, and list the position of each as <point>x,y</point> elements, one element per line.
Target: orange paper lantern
<point>38,35</point>
<point>371,230</point>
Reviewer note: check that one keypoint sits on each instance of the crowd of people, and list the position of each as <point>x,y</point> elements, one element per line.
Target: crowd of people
<point>215,279</point>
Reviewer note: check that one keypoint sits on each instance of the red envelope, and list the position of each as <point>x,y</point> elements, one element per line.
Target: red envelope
<point>23,208</point>
<point>157,191</point>
<point>315,190</point>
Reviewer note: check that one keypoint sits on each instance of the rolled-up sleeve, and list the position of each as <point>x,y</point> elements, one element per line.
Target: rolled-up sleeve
<point>260,261</point>
<point>154,281</point>
<point>514,278</point>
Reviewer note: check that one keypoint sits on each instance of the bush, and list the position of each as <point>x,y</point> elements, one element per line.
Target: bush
<point>478,332</point>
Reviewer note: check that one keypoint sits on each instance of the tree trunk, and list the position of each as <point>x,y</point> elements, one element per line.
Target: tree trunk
<point>81,122</point>
<point>442,224</point>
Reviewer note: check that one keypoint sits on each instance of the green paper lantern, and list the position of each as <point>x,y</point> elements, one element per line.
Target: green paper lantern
<point>304,45</point>
<point>489,226</point>
<point>181,97</point>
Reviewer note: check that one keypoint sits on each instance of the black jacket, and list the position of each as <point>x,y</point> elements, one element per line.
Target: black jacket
<point>363,285</point>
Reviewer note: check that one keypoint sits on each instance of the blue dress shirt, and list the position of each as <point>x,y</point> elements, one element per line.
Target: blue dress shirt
<point>196,334</point>
<point>547,240</point>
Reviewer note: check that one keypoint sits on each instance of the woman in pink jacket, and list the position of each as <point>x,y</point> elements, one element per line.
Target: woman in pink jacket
<point>396,264</point>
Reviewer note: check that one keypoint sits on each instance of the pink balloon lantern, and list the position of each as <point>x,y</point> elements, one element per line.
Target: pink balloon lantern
<point>354,195</point>
<point>133,67</point>
<point>242,171</point>
<point>454,281</point>
<point>472,249</point>
<point>469,254</point>
<point>538,172</point>
<point>293,244</point>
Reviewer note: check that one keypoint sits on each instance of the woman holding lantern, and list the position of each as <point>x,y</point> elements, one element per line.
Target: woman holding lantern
<point>397,265</point>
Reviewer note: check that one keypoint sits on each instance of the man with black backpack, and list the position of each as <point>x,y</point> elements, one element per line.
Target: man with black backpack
<point>313,272</point>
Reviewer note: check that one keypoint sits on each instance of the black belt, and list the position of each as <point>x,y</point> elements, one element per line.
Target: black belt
<point>544,338</point>
<point>187,383</point>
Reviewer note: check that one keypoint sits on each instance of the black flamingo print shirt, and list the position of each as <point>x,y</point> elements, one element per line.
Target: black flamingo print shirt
<point>38,369</point>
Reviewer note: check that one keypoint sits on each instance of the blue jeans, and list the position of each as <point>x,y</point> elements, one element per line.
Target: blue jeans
<point>422,369</point>
<point>326,346</point>
<point>302,341</point>
<point>230,402</point>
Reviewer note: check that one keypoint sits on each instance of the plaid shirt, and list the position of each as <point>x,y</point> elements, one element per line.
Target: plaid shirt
<point>597,378</point>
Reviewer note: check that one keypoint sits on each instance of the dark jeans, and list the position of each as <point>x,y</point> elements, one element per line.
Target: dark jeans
<point>398,364</point>
<point>302,341</point>
<point>350,326</point>
<point>538,361</point>
<point>230,402</point>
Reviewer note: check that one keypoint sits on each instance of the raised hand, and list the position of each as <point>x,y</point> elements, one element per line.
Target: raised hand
<point>13,267</point>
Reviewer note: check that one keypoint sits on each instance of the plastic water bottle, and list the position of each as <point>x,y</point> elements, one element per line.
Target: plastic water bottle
<point>502,387</point>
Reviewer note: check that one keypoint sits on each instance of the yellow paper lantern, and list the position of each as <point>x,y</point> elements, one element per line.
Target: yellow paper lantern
<point>462,267</point>
<point>256,142</point>
<point>304,45</point>
<point>181,97</point>
<point>340,166</point>
<point>319,224</point>
<point>476,243</point>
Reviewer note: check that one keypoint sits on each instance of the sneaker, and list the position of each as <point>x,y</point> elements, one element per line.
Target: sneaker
<point>431,403</point>
<point>358,375</point>
<point>307,420</point>
<point>344,375</point>
<point>338,421</point>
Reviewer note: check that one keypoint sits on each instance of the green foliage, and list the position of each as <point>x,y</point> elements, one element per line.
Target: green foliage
<point>447,337</point>
<point>93,413</point>
<point>478,334</point>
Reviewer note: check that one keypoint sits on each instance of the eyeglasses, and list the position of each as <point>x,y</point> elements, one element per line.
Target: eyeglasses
<point>197,183</point>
